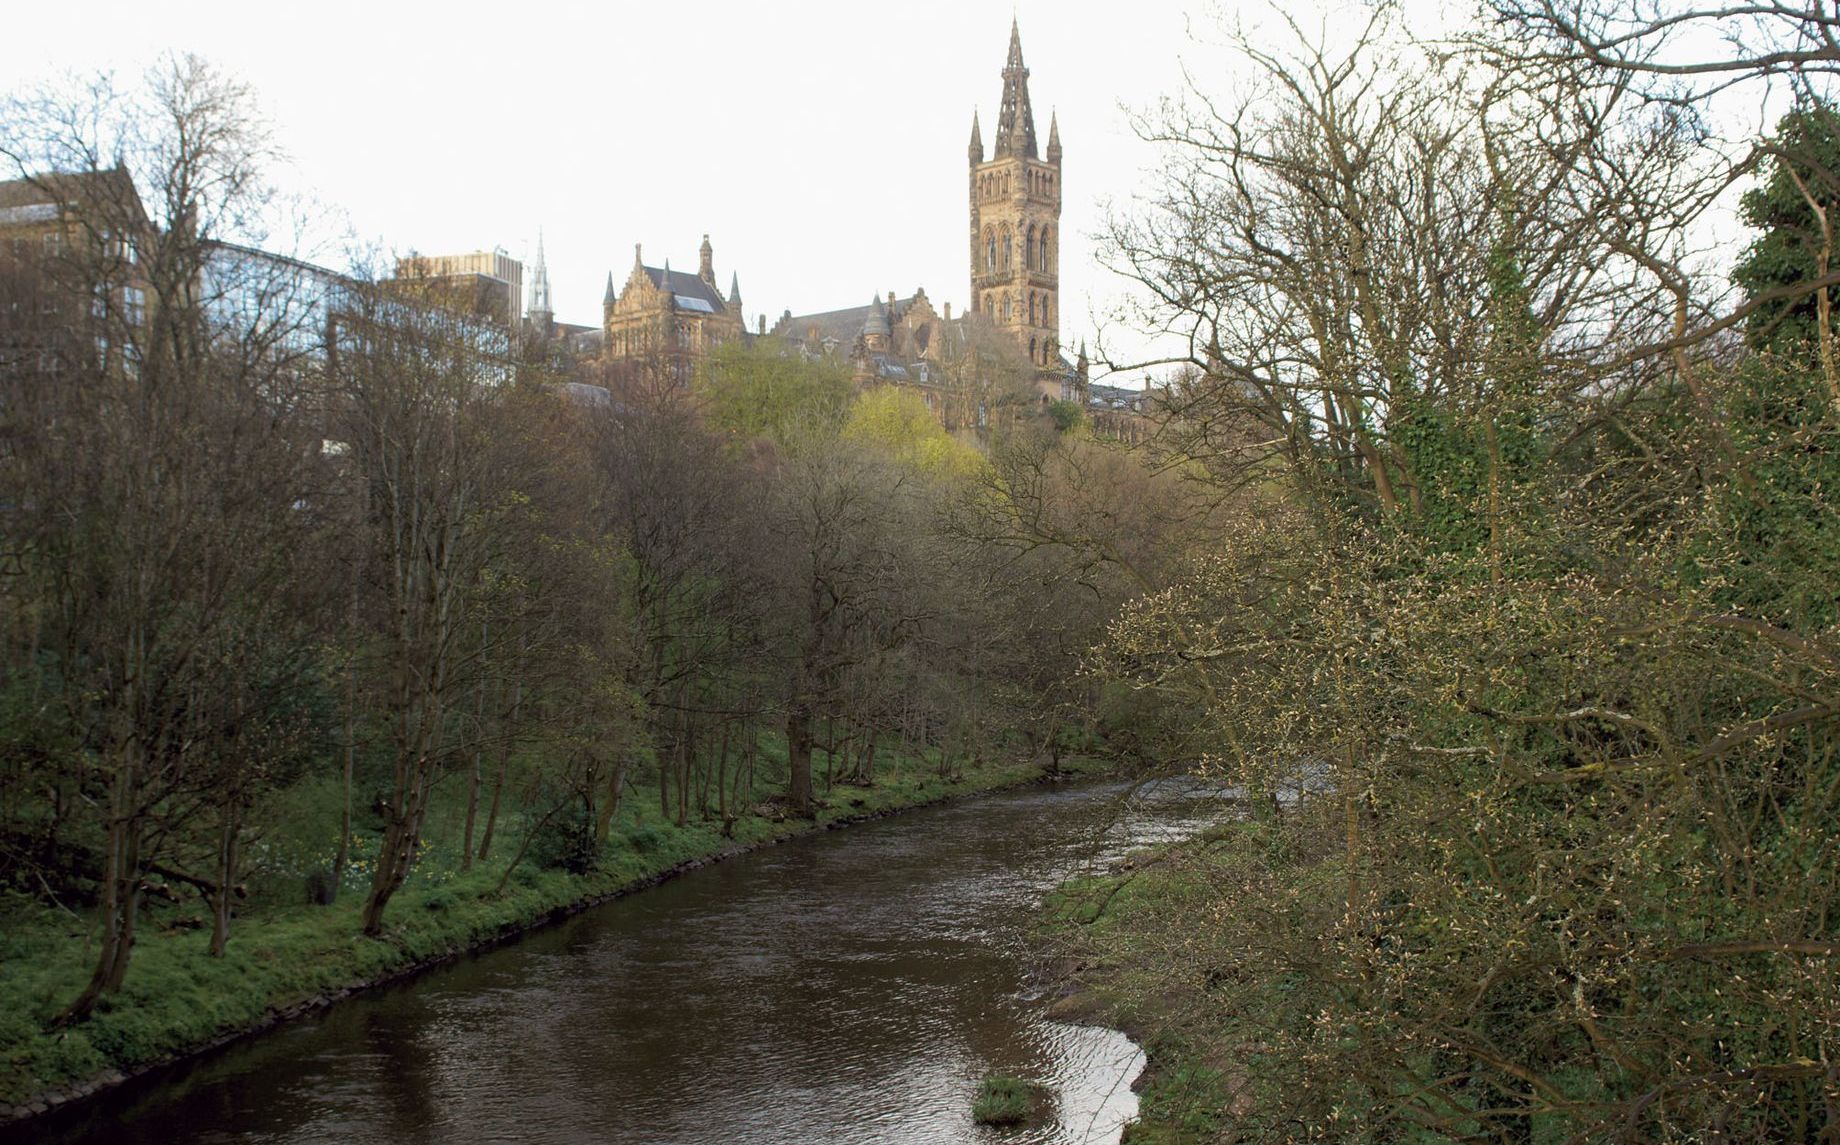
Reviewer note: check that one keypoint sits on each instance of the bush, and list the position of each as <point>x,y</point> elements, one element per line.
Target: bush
<point>566,843</point>
<point>645,838</point>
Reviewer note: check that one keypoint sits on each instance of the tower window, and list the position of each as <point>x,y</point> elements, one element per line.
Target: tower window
<point>1007,243</point>
<point>1043,264</point>
<point>990,249</point>
<point>1029,261</point>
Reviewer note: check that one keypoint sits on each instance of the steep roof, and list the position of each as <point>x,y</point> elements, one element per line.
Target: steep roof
<point>692,292</point>
<point>1015,119</point>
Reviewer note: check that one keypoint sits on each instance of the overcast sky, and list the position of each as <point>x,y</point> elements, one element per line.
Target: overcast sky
<point>820,144</point>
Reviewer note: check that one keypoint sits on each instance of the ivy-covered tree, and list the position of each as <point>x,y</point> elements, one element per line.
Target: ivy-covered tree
<point>1793,209</point>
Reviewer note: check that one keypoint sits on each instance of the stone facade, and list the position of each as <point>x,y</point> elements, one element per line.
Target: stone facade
<point>1015,221</point>
<point>662,314</point>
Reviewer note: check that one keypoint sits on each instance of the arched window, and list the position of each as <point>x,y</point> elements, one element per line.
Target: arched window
<point>1031,308</point>
<point>1007,244</point>
<point>990,248</point>
<point>1030,260</point>
<point>1046,320</point>
<point>1043,264</point>
<point>1006,308</point>
<point>990,307</point>
<point>1033,356</point>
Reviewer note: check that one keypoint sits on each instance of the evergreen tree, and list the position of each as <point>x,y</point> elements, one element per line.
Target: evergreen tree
<point>1802,184</point>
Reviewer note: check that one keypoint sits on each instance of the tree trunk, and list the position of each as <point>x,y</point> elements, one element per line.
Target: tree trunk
<point>120,900</point>
<point>616,782</point>
<point>473,773</point>
<point>721,777</point>
<point>504,769</point>
<point>798,761</point>
<point>226,879</point>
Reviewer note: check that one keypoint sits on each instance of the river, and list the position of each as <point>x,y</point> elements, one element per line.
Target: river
<point>850,987</point>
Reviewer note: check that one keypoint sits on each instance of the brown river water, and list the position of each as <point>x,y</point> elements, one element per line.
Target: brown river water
<point>850,987</point>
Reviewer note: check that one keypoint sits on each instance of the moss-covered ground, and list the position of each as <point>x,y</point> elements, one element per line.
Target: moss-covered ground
<point>289,956</point>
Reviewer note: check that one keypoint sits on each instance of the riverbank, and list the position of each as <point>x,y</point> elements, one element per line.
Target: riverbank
<point>177,1003</point>
<point>1160,948</point>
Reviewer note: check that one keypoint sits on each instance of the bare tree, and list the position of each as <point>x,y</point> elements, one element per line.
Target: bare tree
<point>159,459</point>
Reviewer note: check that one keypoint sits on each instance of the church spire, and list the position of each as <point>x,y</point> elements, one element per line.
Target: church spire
<point>1015,121</point>
<point>734,290</point>
<point>977,140</point>
<point>1054,137</point>
<point>608,298</point>
<point>539,282</point>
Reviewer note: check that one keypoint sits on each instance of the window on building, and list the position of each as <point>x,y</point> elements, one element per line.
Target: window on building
<point>1034,356</point>
<point>134,305</point>
<point>990,252</point>
<point>1030,260</point>
<point>1006,242</point>
<point>1043,265</point>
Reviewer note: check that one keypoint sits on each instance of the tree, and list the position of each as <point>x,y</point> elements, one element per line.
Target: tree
<point>418,389</point>
<point>159,463</point>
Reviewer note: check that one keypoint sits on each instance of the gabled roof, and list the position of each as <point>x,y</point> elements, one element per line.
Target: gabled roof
<point>691,292</point>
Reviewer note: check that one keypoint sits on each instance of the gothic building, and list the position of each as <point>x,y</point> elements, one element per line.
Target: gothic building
<point>661,311</point>
<point>1015,220</point>
<point>1015,208</point>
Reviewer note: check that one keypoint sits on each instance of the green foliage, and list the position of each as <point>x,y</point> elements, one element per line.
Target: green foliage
<point>1803,164</point>
<point>565,842</point>
<point>1066,416</point>
<point>1002,1101</point>
<point>757,391</point>
<point>898,422</point>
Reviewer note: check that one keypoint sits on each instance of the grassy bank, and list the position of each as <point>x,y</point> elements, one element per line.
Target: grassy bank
<point>1156,947</point>
<point>286,959</point>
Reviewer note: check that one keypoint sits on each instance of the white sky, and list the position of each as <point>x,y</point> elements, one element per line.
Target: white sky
<point>820,143</point>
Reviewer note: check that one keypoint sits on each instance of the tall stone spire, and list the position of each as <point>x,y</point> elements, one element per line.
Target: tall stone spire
<point>734,290</point>
<point>607,299</point>
<point>976,150</point>
<point>1054,137</point>
<point>706,262</point>
<point>1016,120</point>
<point>539,283</point>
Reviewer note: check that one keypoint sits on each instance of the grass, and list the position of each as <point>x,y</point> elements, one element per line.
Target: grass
<point>1002,1101</point>
<point>284,957</point>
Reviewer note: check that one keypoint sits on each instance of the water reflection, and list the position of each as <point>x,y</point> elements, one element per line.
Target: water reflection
<point>853,987</point>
